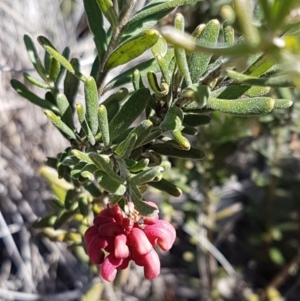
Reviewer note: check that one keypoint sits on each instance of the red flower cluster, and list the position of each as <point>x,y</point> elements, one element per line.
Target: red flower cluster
<point>127,238</point>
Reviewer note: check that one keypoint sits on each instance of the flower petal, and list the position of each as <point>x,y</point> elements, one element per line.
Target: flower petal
<point>109,267</point>
<point>161,233</point>
<point>89,234</point>
<point>139,241</point>
<point>127,224</point>
<point>94,249</point>
<point>100,220</point>
<point>152,266</point>
<point>121,249</point>
<point>110,229</point>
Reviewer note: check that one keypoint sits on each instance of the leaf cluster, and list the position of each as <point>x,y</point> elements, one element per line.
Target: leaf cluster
<point>108,155</point>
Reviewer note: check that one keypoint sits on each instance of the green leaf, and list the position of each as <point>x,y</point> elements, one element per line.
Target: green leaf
<point>142,131</point>
<point>131,49</point>
<point>189,130</point>
<point>71,84</point>
<point>65,110</point>
<point>65,54</point>
<point>107,8</point>
<point>116,97</point>
<point>142,207</point>
<point>146,176</point>
<point>173,152</point>
<point>199,61</point>
<point>152,136</point>
<point>95,20</point>
<point>110,184</point>
<point>59,124</point>
<point>132,109</point>
<point>35,82</point>
<point>63,218</point>
<point>82,156</point>
<point>160,48</point>
<point>54,69</point>
<point>84,125</point>
<point>167,187</point>
<point>196,119</point>
<point>173,119</point>
<point>103,125</point>
<point>101,162</point>
<point>181,140</point>
<point>194,93</point>
<point>91,102</point>
<point>70,200</point>
<point>246,107</point>
<point>140,165</point>
<point>274,81</point>
<point>144,67</point>
<point>282,103</point>
<point>179,52</point>
<point>228,33</point>
<point>45,43</point>
<point>125,148</point>
<point>34,57</point>
<point>24,92</point>
<point>154,11</point>
<point>83,205</point>
<point>244,17</point>
<point>47,221</point>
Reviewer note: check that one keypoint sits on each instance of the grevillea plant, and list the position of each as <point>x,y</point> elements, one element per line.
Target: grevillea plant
<point>112,159</point>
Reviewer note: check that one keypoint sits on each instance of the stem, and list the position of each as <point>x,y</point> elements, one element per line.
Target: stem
<point>114,42</point>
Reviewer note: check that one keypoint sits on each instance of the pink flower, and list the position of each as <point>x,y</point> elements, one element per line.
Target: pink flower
<point>127,238</point>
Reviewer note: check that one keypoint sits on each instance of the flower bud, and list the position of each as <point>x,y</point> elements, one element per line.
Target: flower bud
<point>121,249</point>
<point>139,241</point>
<point>94,249</point>
<point>109,267</point>
<point>161,233</point>
<point>89,234</point>
<point>110,229</point>
<point>152,265</point>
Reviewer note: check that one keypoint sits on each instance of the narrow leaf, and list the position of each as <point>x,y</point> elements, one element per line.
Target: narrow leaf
<point>199,61</point>
<point>59,124</point>
<point>95,20</point>
<point>24,92</point>
<point>84,125</point>
<point>167,187</point>
<point>65,110</point>
<point>35,82</point>
<point>179,52</point>
<point>110,184</point>
<point>131,49</point>
<point>173,152</point>
<point>103,125</point>
<point>107,8</point>
<point>91,101</point>
<point>142,207</point>
<point>146,176</point>
<point>181,140</point>
<point>132,108</point>
<point>71,84</point>
<point>246,107</point>
<point>34,57</point>
<point>45,43</point>
<point>101,163</point>
<point>173,119</point>
<point>125,148</point>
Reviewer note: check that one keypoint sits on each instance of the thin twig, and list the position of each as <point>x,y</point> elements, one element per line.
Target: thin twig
<point>65,296</point>
<point>213,250</point>
<point>15,255</point>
